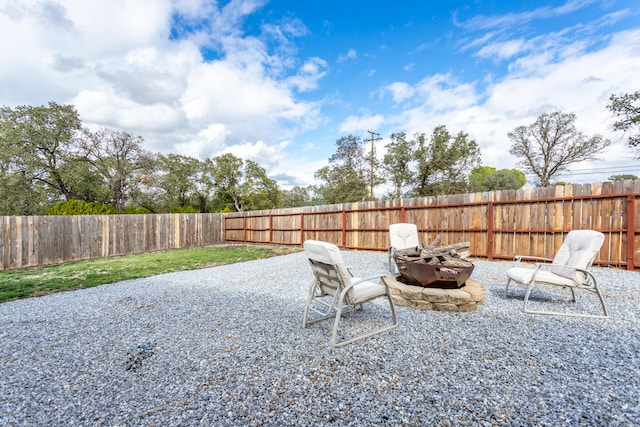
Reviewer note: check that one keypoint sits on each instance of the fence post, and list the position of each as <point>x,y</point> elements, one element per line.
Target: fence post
<point>490,227</point>
<point>344,228</point>
<point>631,232</point>
<point>270,228</point>
<point>301,228</point>
<point>244,227</point>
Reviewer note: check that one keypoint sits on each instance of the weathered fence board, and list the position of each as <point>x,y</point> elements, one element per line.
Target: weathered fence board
<point>498,225</point>
<point>40,240</point>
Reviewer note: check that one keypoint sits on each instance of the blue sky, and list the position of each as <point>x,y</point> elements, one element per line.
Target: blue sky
<point>280,81</point>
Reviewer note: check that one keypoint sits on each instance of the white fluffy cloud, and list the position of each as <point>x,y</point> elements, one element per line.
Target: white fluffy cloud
<point>183,75</point>
<point>119,65</point>
<point>580,82</point>
<point>360,124</point>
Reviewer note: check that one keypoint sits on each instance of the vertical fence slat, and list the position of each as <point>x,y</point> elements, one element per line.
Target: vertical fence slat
<point>497,224</point>
<point>41,240</point>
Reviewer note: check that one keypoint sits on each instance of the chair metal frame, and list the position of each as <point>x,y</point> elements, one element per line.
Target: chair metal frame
<point>545,271</point>
<point>329,297</point>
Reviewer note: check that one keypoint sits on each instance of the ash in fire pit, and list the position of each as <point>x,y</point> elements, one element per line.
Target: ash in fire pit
<point>434,266</point>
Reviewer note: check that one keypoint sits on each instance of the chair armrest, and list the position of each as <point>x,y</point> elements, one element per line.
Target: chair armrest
<point>519,258</point>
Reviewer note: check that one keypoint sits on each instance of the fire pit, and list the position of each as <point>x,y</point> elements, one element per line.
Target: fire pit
<point>420,273</point>
<point>434,277</point>
<point>434,266</point>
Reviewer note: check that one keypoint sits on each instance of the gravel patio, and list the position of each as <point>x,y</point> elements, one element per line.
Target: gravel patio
<point>224,346</point>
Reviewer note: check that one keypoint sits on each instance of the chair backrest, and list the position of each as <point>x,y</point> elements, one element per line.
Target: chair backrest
<point>328,267</point>
<point>403,235</point>
<point>578,250</point>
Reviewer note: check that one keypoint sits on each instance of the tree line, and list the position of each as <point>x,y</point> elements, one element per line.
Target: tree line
<point>51,164</point>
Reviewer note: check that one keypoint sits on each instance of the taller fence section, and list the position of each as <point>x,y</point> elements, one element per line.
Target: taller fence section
<point>498,224</point>
<point>27,241</point>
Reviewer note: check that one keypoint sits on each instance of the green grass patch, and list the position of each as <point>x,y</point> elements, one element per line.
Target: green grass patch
<point>30,282</point>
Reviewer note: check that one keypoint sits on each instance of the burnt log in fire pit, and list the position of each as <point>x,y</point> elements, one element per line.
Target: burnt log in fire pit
<point>434,266</point>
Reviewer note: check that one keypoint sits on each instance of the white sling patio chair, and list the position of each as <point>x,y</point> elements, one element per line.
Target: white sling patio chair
<point>335,290</point>
<point>569,269</point>
<point>401,236</point>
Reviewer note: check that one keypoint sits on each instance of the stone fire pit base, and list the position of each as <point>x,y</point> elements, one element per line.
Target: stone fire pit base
<point>464,299</point>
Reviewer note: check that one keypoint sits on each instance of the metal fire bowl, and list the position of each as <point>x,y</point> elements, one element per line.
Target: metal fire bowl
<point>419,273</point>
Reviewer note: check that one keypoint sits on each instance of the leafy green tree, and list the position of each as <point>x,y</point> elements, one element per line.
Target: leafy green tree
<point>627,108</point>
<point>85,182</point>
<point>444,162</point>
<point>345,178</point>
<point>397,163</point>
<point>296,197</point>
<point>204,186</point>
<point>227,182</point>
<point>149,195</point>
<point>20,196</point>
<point>623,177</point>
<point>242,185</point>
<point>177,178</point>
<point>36,143</point>
<point>505,179</point>
<point>551,144</point>
<point>487,178</point>
<point>118,157</point>
<point>258,190</point>
<point>178,183</point>
<point>478,176</point>
<point>341,185</point>
<point>300,196</point>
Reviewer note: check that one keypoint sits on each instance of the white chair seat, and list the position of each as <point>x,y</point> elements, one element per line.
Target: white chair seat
<point>525,275</point>
<point>365,291</point>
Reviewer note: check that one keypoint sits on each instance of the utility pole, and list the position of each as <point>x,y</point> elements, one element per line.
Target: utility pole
<point>374,137</point>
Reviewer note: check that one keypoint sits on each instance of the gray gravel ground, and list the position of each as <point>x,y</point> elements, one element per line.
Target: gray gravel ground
<point>224,346</point>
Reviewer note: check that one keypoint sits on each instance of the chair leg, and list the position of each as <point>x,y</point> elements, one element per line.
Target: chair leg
<point>334,335</point>
<point>604,306</point>
<point>526,308</point>
<point>526,297</point>
<point>392,263</point>
<point>313,295</point>
<point>506,288</point>
<point>310,297</point>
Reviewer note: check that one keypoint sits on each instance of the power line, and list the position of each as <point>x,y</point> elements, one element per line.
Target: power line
<point>599,171</point>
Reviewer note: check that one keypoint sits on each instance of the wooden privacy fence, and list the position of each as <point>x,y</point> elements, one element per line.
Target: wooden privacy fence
<point>498,224</point>
<point>38,240</point>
